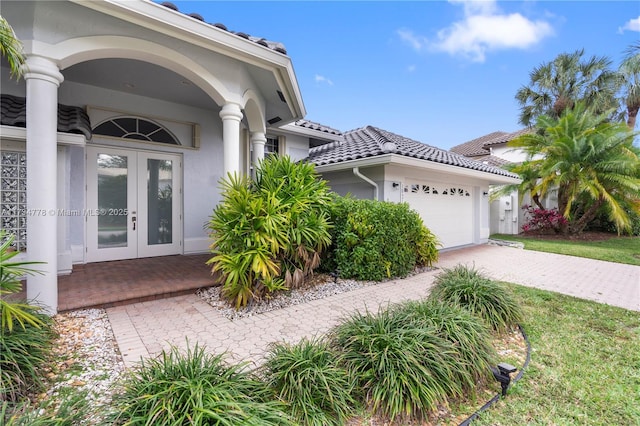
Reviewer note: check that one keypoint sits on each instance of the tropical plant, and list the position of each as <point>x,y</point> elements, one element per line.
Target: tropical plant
<point>195,389</point>
<point>268,234</point>
<point>466,287</point>
<point>11,273</point>
<point>427,248</point>
<point>629,74</point>
<point>543,220</point>
<point>11,48</point>
<point>404,370</point>
<point>307,377</point>
<point>557,86</point>
<point>590,160</point>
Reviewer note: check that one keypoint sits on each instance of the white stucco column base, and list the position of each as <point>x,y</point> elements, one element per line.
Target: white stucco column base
<point>231,114</point>
<point>258,140</point>
<point>42,79</point>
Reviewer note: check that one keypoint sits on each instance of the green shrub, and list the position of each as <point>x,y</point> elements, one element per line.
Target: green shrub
<point>470,337</point>
<point>374,240</point>
<point>489,300</point>
<point>307,377</point>
<point>195,389</point>
<point>268,234</point>
<point>23,351</point>
<point>404,370</point>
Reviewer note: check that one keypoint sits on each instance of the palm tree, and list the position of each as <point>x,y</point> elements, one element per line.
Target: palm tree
<point>590,160</point>
<point>629,72</point>
<point>11,48</point>
<point>557,85</point>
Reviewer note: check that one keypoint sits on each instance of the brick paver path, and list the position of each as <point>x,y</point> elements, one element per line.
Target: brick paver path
<point>145,329</point>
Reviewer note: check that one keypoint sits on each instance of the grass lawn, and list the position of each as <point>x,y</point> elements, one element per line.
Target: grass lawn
<point>585,365</point>
<point>615,249</point>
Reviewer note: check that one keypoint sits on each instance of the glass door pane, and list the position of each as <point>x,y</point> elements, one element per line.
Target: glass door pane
<point>159,201</point>
<point>113,174</point>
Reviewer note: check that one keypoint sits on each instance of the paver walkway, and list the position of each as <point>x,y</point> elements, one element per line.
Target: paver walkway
<point>145,329</point>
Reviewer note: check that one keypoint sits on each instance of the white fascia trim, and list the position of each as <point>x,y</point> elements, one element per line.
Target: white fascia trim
<point>292,128</point>
<point>402,160</point>
<point>175,24</point>
<point>20,134</point>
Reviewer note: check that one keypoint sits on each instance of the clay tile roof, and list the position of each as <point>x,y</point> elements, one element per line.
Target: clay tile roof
<point>71,119</point>
<point>318,127</point>
<point>371,141</point>
<point>480,146</point>
<point>508,137</point>
<point>273,45</point>
<point>476,146</point>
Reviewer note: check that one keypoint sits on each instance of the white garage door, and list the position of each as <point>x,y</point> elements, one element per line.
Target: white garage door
<point>447,210</point>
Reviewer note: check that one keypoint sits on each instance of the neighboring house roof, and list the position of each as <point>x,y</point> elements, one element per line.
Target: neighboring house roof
<point>481,146</point>
<point>273,45</point>
<point>71,119</point>
<point>492,160</point>
<point>475,147</point>
<point>371,141</point>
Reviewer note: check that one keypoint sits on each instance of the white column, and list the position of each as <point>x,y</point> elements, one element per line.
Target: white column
<point>258,140</point>
<point>42,78</point>
<point>231,114</point>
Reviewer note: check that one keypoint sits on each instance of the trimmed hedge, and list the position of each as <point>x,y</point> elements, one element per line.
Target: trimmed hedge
<point>374,240</point>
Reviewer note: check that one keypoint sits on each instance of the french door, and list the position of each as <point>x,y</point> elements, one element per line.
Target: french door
<point>133,204</point>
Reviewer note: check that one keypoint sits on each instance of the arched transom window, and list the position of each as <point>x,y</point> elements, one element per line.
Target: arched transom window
<point>135,128</point>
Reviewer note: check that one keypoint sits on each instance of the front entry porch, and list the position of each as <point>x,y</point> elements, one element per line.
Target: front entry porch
<point>107,284</point>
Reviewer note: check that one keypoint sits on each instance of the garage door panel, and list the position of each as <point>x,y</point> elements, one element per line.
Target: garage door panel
<point>447,210</point>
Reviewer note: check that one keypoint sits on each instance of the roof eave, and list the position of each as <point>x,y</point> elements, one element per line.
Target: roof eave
<point>292,128</point>
<point>175,24</point>
<point>490,178</point>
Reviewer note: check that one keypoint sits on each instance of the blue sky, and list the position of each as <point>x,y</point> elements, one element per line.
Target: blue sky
<point>439,72</point>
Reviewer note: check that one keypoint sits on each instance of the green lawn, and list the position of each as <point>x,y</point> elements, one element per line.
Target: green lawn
<point>616,249</point>
<point>585,365</point>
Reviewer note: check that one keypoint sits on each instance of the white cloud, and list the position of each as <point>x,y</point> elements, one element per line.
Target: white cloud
<point>416,42</point>
<point>477,7</point>
<point>323,79</point>
<point>484,28</point>
<point>630,25</point>
<point>478,34</point>
<point>411,68</point>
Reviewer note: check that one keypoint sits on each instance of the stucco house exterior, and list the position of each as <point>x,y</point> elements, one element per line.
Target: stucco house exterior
<point>130,112</point>
<point>449,191</point>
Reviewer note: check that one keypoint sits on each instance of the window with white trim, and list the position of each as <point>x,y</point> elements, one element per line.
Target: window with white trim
<point>272,146</point>
<point>135,128</point>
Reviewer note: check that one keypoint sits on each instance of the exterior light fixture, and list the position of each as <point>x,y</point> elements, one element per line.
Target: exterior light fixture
<point>502,375</point>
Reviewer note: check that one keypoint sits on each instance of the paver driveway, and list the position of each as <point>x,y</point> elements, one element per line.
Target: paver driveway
<point>145,329</point>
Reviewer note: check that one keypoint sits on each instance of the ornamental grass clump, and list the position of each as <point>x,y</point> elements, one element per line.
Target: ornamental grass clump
<point>404,371</point>
<point>466,287</point>
<point>470,338</point>
<point>195,389</point>
<point>307,377</point>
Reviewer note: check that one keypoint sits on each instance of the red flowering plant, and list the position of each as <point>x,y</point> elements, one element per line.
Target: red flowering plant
<point>543,220</point>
